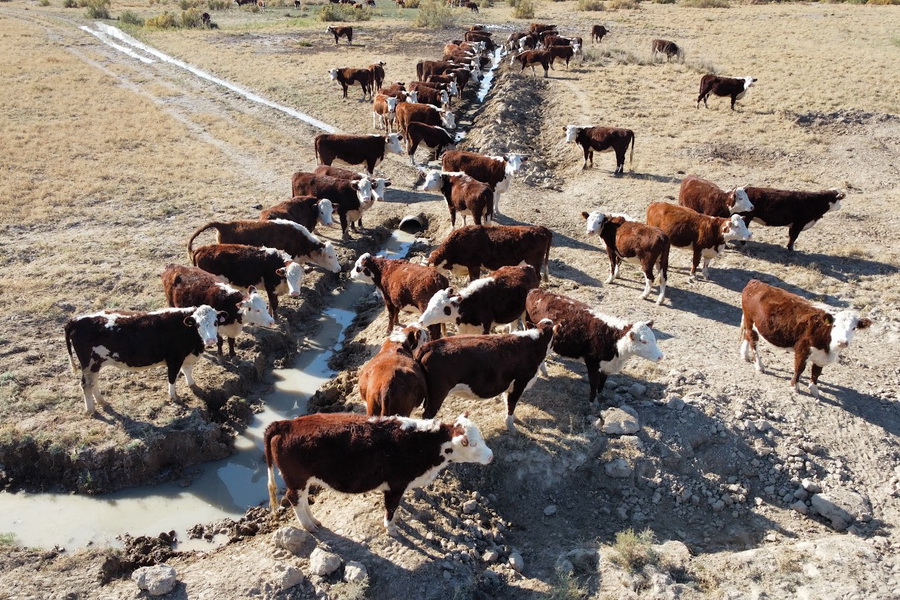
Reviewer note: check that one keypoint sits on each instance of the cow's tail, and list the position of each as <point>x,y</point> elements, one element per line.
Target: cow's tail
<point>316,149</point>
<point>69,348</point>
<point>272,431</point>
<point>547,258</point>
<point>664,261</point>
<point>190,244</point>
<point>631,156</point>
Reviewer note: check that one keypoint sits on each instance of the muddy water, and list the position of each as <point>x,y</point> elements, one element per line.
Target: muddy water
<point>221,489</point>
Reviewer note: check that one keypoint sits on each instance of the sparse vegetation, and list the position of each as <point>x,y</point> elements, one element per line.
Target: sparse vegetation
<point>613,54</point>
<point>664,1</point>
<point>633,551</point>
<point>705,3</point>
<point>218,4</point>
<point>131,18</point>
<point>7,540</point>
<point>351,590</point>
<point>525,9</point>
<point>622,5</point>
<point>166,20</point>
<point>590,5</point>
<point>344,12</point>
<point>567,587</point>
<point>97,9</point>
<point>70,4</point>
<point>435,15</point>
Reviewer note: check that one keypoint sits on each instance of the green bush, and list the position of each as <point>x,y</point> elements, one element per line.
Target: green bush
<point>131,18</point>
<point>525,9</point>
<point>166,20</point>
<point>191,19</point>
<point>97,9</point>
<point>344,12</point>
<point>591,5</point>
<point>434,15</point>
<point>634,551</point>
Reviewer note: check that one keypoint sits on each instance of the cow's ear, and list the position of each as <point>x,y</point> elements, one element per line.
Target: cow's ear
<point>251,290</point>
<point>864,323</point>
<point>387,183</point>
<point>281,272</point>
<point>828,318</point>
<point>222,316</point>
<point>190,322</point>
<point>355,184</point>
<point>650,324</point>
<point>584,215</point>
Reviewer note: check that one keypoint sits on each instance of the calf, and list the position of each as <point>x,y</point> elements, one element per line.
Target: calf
<point>407,112</point>
<point>306,210</point>
<point>250,266</point>
<point>383,114</point>
<point>339,32</point>
<point>798,211</point>
<point>668,49</point>
<point>705,235</point>
<point>529,58</point>
<point>562,53</point>
<point>457,365</point>
<point>709,199</point>
<point>498,299</point>
<point>348,76</point>
<point>450,87</point>
<point>604,342</point>
<point>528,42</point>
<point>434,97</point>
<point>467,249</point>
<point>405,286</point>
<point>426,68</point>
<point>351,198</point>
<point>496,171</point>
<point>356,149</point>
<point>190,286</point>
<point>392,382</point>
<point>463,194</point>
<point>597,33</point>
<point>786,320</point>
<point>723,86</point>
<point>634,243</point>
<point>138,340</point>
<point>379,184</point>
<point>377,71</point>
<point>602,139</point>
<point>293,238</point>
<point>436,138</point>
<point>353,454</point>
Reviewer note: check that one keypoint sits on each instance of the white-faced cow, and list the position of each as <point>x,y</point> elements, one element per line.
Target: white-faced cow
<point>433,137</point>
<point>353,454</point>
<point>392,382</point>
<point>339,32</point>
<point>451,88</point>
<point>496,171</point>
<point>484,366</point>
<point>467,249</point>
<point>351,198</point>
<point>464,195</point>
<point>379,184</point>
<point>709,199</point>
<point>704,235</point>
<point>786,320</point>
<point>798,211</point>
<point>407,112</point>
<point>306,210</point>
<point>135,341</point>
<point>632,242</point>
<point>724,86</point>
<point>356,149</point>
<point>666,48</point>
<point>383,114</point>
<point>604,342</point>
<point>348,76</point>
<point>602,139</point>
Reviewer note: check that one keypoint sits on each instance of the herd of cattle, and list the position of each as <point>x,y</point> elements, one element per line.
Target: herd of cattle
<point>419,365</point>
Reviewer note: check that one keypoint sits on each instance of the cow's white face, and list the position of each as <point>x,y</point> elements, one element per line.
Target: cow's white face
<point>254,310</point>
<point>433,181</point>
<point>334,74</point>
<point>469,446</point>
<point>741,201</point>
<point>445,97</point>
<point>412,97</point>
<point>641,341</point>
<point>736,230</point>
<point>326,210</point>
<point>293,275</point>
<point>514,163</point>
<point>412,336</point>
<point>748,81</point>
<point>448,119</point>
<point>205,318</point>
<point>594,222</point>
<point>845,325</point>
<point>379,186</point>
<point>360,272</point>
<point>392,143</point>
<point>836,204</point>
<point>363,189</point>
<point>391,104</point>
<point>442,308</point>
<point>453,89</point>
<point>571,133</point>
<point>327,258</point>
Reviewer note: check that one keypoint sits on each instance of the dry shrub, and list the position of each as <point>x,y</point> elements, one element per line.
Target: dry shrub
<point>590,5</point>
<point>412,3</point>
<point>191,19</point>
<point>615,55</point>
<point>622,5</point>
<point>344,12</point>
<point>525,9</point>
<point>705,3</point>
<point>188,4</point>
<point>70,4</point>
<point>166,20</point>
<point>634,551</point>
<point>434,15</point>
<point>883,2</point>
<point>97,9</point>
<point>663,1</point>
<point>218,4</point>
<point>131,18</point>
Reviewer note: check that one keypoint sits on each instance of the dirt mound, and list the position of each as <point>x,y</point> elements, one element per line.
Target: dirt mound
<point>848,118</point>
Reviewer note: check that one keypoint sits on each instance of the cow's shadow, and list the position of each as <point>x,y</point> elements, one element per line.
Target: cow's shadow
<point>842,268</point>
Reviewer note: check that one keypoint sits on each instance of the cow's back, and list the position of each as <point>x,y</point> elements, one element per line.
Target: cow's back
<point>703,196</point>
<point>572,318</point>
<point>780,316</point>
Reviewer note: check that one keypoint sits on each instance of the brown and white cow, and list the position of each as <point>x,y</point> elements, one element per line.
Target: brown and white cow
<point>434,97</point>
<point>457,366</point>
<point>530,58</point>
<point>496,171</point>
<point>354,454</point>
<point>464,195</point>
<point>433,137</point>
<point>709,199</point>
<point>597,33</point>
<point>293,238</point>
<point>467,249</point>
<point>786,320</point>
<point>405,286</point>
<point>356,149</point>
<point>602,139</point>
<point>667,48</point>
<point>736,87</point>
<point>427,68</point>
<point>251,266</point>
<point>377,71</point>
<point>527,42</point>
<point>407,112</point>
<point>383,114</point>
<point>632,242</point>
<point>351,198</point>
<point>605,343</point>
<point>392,382</point>
<point>704,235</point>
<point>379,184</point>
<point>339,32</point>
<point>798,211</point>
<point>348,76</point>
<point>452,88</point>
<point>134,340</point>
<point>481,36</point>
<point>191,286</point>
<point>306,210</point>
<point>498,299</point>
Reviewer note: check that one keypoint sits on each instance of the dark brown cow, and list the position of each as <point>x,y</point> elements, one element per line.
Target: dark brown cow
<point>464,195</point>
<point>339,32</point>
<point>604,342</point>
<point>597,33</point>
<point>251,266</point>
<point>704,235</point>
<point>456,365</point>
<point>434,97</point>
<point>350,198</point>
<point>798,211</point>
<point>634,243</point>
<point>471,6</point>
<point>450,87</point>
<point>306,210</point>
<point>392,382</point>
<point>529,58</point>
<point>723,86</point>
<point>379,184</point>
<point>540,27</point>
<point>377,71</point>
<point>353,454</point>
<point>426,68</point>
<point>347,76</point>
<point>190,286</point>
<point>561,53</point>
<point>366,150</point>
<point>138,340</point>
<point>293,238</point>
<point>496,171</point>
<point>667,48</point>
<point>709,199</point>
<point>467,249</point>
<point>394,90</point>
<point>481,36</point>
<point>602,139</point>
<point>436,138</point>
<point>407,112</point>
<point>527,42</point>
<point>405,286</point>
<point>786,320</point>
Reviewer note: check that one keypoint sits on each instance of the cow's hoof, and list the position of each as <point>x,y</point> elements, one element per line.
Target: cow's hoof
<point>814,391</point>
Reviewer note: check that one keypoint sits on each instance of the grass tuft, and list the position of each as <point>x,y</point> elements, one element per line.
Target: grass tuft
<point>97,9</point>
<point>622,5</point>
<point>7,540</point>
<point>344,12</point>
<point>705,3</point>
<point>131,18</point>
<point>567,587</point>
<point>434,15</point>
<point>524,9</point>
<point>634,551</point>
<point>590,5</point>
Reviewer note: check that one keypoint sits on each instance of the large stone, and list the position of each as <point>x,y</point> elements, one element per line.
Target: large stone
<point>516,561</point>
<point>156,580</point>
<point>620,421</point>
<point>618,468</point>
<point>323,563</point>
<point>674,554</point>
<point>842,507</point>
<point>287,576</point>
<point>583,560</point>
<point>296,541</point>
<point>355,572</point>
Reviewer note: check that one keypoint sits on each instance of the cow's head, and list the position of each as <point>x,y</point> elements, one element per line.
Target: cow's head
<point>442,308</point>
<point>325,210</point>
<point>392,143</point>
<point>204,319</point>
<point>835,204</point>
<point>411,338</point>
<point>843,325</point>
<point>453,88</point>
<point>445,98</point>
<point>448,119</point>
<point>391,103</point>
<point>594,221</point>
<point>748,81</point>
<point>412,96</point>
<point>735,229</point>
<point>431,180</point>
<point>326,258</point>
<point>363,269</point>
<point>379,187</point>
<point>363,189</point>
<point>292,273</point>
<point>467,444</point>
<point>334,74</point>
<point>572,132</point>
<point>740,201</point>
<point>254,311</point>
<point>639,340</point>
<point>514,162</point>
<point>329,29</point>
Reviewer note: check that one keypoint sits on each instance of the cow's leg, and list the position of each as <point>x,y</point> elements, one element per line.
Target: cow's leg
<point>391,504</point>
<point>596,379</point>
<point>695,260</point>
<point>591,156</point>
<point>706,268</point>
<point>733,99</point>
<point>496,202</point>
<point>613,265</point>
<point>474,273</point>
<point>512,398</point>
<point>620,161</point>
<point>344,85</point>
<point>219,342</point>
<point>747,345</point>
<point>801,354</point>
<point>273,303</point>
<point>231,352</point>
<point>392,316</point>
<point>586,154</point>
<point>89,388</point>
<point>300,503</point>
<point>648,281</point>
<point>343,217</point>
<point>793,232</point>
<point>453,218</point>
<point>434,331</point>
<point>815,371</point>
<point>376,120</point>
<point>662,283</point>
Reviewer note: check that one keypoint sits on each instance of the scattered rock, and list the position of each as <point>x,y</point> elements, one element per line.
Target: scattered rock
<point>323,563</point>
<point>296,541</point>
<point>810,486</point>
<point>550,510</point>
<point>618,468</point>
<point>287,576</point>
<point>490,556</point>
<point>156,580</point>
<point>355,572</point>
<point>673,554</point>
<point>620,421</point>
<point>800,507</point>
<point>842,507</point>
<point>516,561</point>
<point>675,403</point>
<point>637,389</point>
<point>583,560</point>
<point>469,507</point>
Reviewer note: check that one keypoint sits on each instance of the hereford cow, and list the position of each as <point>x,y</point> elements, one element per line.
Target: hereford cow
<point>709,199</point>
<point>467,249</point>
<point>602,139</point>
<point>377,71</point>
<point>528,42</point>
<point>246,267</point>
<point>464,195</point>
<point>798,211</point>
<point>632,242</point>
<point>405,286</point>
<point>786,320</point>
<point>723,86</point>
<point>457,365</point>
<point>407,112</point>
<point>436,138</point>
<point>452,88</point>
<point>293,238</point>
<point>392,382</point>
<point>348,76</point>
<point>339,32</point>
<point>597,33</point>
<point>496,171</point>
<point>190,286</point>
<point>434,97</point>
<point>561,53</point>
<point>481,36</point>
<point>704,235</point>
<point>383,114</point>
<point>666,48</point>
<point>529,58</point>
<point>138,340</point>
<point>306,210</point>
<point>604,342</point>
<point>356,149</point>
<point>498,299</point>
<point>351,198</point>
<point>426,68</point>
<point>541,27</point>
<point>353,454</point>
<point>379,184</point>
